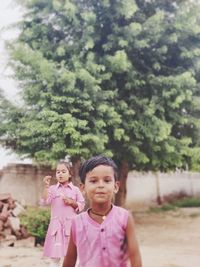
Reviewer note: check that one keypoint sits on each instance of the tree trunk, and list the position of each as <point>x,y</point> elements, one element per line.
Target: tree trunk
<point>123,174</point>
<point>76,162</point>
<point>158,197</point>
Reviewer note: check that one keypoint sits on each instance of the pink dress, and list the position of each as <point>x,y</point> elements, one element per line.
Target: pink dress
<point>101,245</point>
<point>58,232</point>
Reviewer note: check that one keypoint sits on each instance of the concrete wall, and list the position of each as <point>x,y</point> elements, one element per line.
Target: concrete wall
<point>146,187</point>
<point>24,182</point>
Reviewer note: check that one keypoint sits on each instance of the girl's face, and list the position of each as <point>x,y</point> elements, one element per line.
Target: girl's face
<point>100,184</point>
<point>62,174</point>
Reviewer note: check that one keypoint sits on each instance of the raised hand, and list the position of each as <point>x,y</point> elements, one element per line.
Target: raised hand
<point>47,181</point>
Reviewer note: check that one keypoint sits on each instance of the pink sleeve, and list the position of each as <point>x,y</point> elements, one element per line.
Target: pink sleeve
<point>45,202</point>
<point>80,200</point>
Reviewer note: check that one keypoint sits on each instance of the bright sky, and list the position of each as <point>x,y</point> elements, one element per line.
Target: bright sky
<point>9,13</point>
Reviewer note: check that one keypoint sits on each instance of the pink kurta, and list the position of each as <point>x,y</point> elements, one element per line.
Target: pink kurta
<point>101,245</point>
<point>58,232</point>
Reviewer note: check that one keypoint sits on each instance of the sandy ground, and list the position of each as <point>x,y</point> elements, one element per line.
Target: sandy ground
<point>169,239</point>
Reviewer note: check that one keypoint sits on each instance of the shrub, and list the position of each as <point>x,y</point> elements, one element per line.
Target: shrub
<point>172,197</point>
<point>188,202</point>
<point>36,220</point>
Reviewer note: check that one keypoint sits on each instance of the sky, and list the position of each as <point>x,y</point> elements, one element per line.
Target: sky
<point>9,14</point>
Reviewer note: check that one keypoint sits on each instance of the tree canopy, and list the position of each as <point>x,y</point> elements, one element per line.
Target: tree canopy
<point>110,76</point>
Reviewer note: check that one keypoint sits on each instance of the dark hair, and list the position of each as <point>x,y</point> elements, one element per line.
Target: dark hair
<point>95,161</point>
<point>68,165</point>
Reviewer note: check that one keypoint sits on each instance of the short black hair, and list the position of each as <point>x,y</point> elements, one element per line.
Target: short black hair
<point>95,161</point>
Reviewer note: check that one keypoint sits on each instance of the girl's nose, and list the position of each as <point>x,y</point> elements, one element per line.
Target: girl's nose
<point>100,184</point>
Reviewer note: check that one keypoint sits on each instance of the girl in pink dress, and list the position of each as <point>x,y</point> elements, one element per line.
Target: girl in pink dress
<point>66,201</point>
<point>104,235</point>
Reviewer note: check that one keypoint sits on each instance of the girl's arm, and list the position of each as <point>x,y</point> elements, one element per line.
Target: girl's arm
<point>77,204</point>
<point>70,258</point>
<point>71,202</point>
<point>80,201</point>
<point>46,181</point>
<point>133,247</point>
<point>45,200</point>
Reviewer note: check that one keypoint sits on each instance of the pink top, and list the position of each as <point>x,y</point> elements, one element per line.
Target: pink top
<point>101,245</point>
<point>58,232</point>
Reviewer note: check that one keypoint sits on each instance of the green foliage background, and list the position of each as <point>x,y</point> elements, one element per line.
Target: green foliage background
<point>113,77</point>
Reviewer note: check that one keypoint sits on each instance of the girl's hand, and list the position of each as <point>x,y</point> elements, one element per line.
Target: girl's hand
<point>68,201</point>
<point>47,180</point>
<point>71,202</point>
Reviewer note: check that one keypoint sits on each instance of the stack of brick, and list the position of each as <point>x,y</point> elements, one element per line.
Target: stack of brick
<point>10,227</point>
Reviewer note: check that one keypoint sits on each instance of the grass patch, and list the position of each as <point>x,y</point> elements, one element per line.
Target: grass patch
<point>194,215</point>
<point>187,202</point>
<point>164,207</point>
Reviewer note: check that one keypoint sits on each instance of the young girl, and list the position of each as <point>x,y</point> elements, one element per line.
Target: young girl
<point>66,201</point>
<point>104,235</point>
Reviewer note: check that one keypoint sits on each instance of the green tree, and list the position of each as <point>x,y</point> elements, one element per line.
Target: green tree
<point>113,77</point>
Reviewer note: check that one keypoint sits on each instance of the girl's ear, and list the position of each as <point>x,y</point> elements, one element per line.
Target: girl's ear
<point>116,189</point>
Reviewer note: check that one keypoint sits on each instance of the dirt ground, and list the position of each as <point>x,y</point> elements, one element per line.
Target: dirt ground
<point>167,239</point>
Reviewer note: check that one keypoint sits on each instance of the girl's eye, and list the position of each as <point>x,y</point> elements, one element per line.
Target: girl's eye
<point>92,181</point>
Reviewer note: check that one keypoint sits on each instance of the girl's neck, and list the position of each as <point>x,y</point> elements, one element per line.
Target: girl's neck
<point>64,183</point>
<point>99,215</point>
<point>101,208</point>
